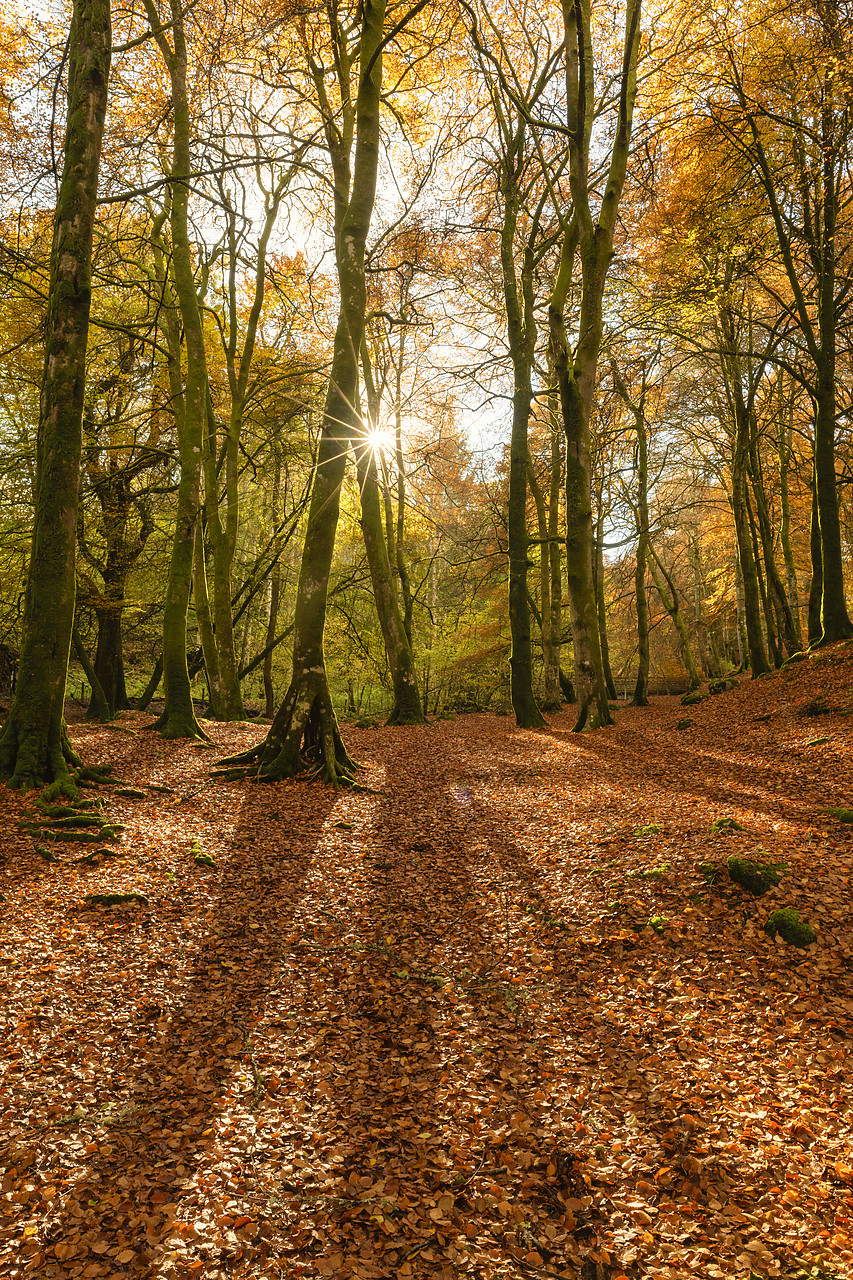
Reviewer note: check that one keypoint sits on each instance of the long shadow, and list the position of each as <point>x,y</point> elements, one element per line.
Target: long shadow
<point>178,1058</point>
<point>709,772</point>
<point>444,1157</point>
<point>444,1124</point>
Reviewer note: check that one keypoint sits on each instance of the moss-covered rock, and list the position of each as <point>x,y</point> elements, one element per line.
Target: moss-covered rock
<point>787,923</point>
<point>693,699</point>
<point>721,686</point>
<point>725,824</point>
<point>754,875</point>
<point>684,724</point>
<point>843,815</point>
<point>200,858</point>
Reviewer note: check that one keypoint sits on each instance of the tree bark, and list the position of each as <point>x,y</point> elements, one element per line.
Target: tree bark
<point>304,733</point>
<point>178,719</point>
<point>34,746</point>
<point>592,239</point>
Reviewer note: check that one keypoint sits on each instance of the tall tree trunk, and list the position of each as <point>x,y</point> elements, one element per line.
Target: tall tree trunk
<point>178,719</point>
<point>641,468</point>
<point>550,650</point>
<point>740,617</point>
<point>34,746</point>
<point>553,687</point>
<point>785,434</point>
<point>766,603</point>
<point>591,238</point>
<point>407,702</point>
<point>304,733</point>
<point>775,586</point>
<point>749,570</point>
<point>204,618</point>
<point>400,532</point>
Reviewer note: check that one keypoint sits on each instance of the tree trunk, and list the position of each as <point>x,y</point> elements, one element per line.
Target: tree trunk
<point>34,746</point>
<point>304,733</point>
<point>401,664</point>
<point>592,239</point>
<point>785,434</point>
<point>641,688</point>
<point>601,602</point>
<point>99,706</point>
<point>550,651</point>
<point>204,619</point>
<point>407,707</point>
<point>641,467</point>
<point>178,719</point>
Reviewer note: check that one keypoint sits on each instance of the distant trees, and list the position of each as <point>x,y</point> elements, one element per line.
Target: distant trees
<point>393,240</point>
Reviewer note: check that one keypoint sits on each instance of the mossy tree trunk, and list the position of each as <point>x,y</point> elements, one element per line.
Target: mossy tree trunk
<point>178,719</point>
<point>111,480</point>
<point>591,239</point>
<point>776,592</point>
<point>34,746</point>
<point>304,733</point>
<point>550,642</point>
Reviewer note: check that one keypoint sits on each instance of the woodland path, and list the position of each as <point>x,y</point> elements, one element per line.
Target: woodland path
<point>422,1032</point>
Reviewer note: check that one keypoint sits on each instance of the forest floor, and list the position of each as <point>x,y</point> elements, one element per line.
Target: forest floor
<point>422,1031</point>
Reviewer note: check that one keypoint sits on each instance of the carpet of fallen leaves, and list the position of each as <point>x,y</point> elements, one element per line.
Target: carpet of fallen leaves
<point>421,1031</point>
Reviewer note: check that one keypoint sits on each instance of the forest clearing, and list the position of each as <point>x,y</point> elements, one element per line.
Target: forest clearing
<point>502,1014</point>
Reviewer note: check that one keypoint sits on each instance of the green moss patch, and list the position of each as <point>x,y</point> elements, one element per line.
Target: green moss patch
<point>787,923</point>
<point>651,830</point>
<point>684,724</point>
<point>725,824</point>
<point>843,815</point>
<point>200,858</point>
<point>754,875</point>
<point>693,699</point>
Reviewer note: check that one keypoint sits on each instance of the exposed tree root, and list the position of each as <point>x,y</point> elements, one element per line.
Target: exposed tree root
<point>179,724</point>
<point>34,757</point>
<point>591,715</point>
<point>304,738</point>
<point>402,716</point>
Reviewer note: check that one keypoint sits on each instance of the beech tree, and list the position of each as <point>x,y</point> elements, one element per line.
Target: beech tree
<point>589,238</point>
<point>34,745</point>
<point>305,733</point>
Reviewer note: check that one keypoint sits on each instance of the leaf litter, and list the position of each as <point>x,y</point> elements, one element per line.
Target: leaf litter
<point>503,1015</point>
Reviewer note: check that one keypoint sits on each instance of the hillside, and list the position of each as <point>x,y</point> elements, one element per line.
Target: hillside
<point>502,1014</point>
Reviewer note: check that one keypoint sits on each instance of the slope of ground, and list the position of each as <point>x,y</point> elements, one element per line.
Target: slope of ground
<point>503,1015</point>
